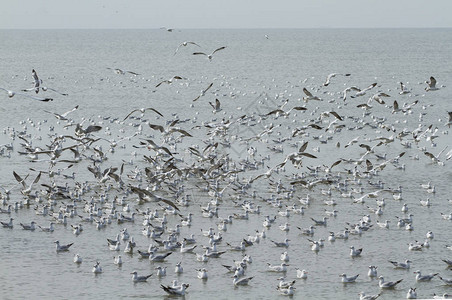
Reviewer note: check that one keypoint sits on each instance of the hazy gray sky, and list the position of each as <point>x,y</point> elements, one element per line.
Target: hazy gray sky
<point>19,14</point>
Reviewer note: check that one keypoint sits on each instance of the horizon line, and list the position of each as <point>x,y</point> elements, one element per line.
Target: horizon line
<point>216,28</point>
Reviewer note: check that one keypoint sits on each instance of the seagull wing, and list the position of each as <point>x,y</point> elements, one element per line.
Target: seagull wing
<point>307,92</point>
<point>38,82</point>
<point>18,178</point>
<point>327,82</point>
<point>336,115</point>
<point>299,108</point>
<point>68,112</point>
<point>370,87</point>
<point>193,43</point>
<point>44,99</point>
<point>157,127</point>
<point>154,110</point>
<point>164,81</point>
<point>303,147</point>
<point>432,82</point>
<point>396,105</point>
<point>336,163</point>
<point>92,128</point>
<point>210,85</point>
<point>130,114</point>
<point>218,49</point>
<point>185,133</point>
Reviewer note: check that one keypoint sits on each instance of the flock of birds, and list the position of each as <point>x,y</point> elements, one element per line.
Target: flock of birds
<point>219,170</point>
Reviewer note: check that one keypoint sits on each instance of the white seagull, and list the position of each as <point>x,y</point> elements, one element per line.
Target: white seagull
<point>209,56</point>
<point>61,248</point>
<point>136,278</point>
<point>387,284</point>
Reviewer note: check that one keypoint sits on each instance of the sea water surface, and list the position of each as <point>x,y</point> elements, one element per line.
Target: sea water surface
<point>252,76</point>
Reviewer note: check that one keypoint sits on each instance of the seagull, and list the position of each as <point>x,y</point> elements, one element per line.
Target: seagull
<point>389,284</point>
<point>169,81</point>
<point>309,96</point>
<point>431,84</point>
<point>372,271</point>
<point>285,284</point>
<point>415,247</point>
<point>328,78</point>
<point>48,229</point>
<point>97,269</point>
<point>377,97</point>
<point>403,89</point>
<point>401,265</point>
<point>209,56</point>
<point>155,257</point>
<point>320,222</point>
<point>8,224</point>
<point>13,93</point>
<point>142,110</point>
<point>178,269</point>
<point>363,296</point>
<point>77,259</point>
<point>355,253</point>
<point>203,92</point>
<point>185,44</point>
<point>287,292</point>
<point>447,281</point>
<point>117,260</point>
<point>122,72</point>
<point>178,291</point>
<point>346,279</point>
<point>281,244</point>
<point>136,278</point>
<point>30,227</point>
<point>363,91</point>
<point>303,274</point>
<point>420,277</point>
<point>62,248</point>
<point>202,273</point>
<point>217,106</point>
<point>278,268</point>
<point>62,117</point>
<point>38,84</point>
<point>280,112</point>
<point>411,293</point>
<point>241,281</point>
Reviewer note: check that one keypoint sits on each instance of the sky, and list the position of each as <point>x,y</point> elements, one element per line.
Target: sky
<point>187,14</point>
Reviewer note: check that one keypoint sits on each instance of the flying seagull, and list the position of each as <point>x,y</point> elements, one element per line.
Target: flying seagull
<point>328,78</point>
<point>209,56</point>
<point>13,93</point>
<point>142,110</point>
<point>184,44</point>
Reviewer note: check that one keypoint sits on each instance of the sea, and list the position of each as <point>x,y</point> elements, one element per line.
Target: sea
<point>258,71</point>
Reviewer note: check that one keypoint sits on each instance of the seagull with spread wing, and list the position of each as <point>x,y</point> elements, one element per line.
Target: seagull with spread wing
<point>209,56</point>
<point>185,44</point>
<point>142,110</point>
<point>309,96</point>
<point>203,92</point>
<point>13,93</point>
<point>328,78</point>
<point>62,117</point>
<point>169,81</point>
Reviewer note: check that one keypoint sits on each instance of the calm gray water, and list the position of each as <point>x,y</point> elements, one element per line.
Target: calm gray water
<point>252,76</point>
